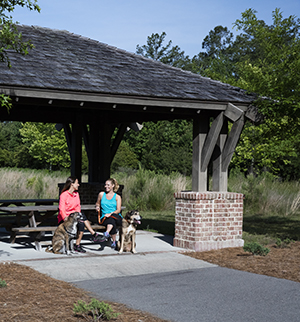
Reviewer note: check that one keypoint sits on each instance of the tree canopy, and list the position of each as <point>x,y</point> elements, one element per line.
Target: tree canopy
<point>10,38</point>
<point>260,58</point>
<point>264,59</point>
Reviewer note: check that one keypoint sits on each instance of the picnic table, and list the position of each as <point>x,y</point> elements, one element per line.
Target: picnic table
<point>22,202</point>
<point>36,217</point>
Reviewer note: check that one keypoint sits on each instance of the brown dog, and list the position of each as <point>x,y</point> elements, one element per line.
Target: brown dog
<point>62,240</point>
<point>127,232</point>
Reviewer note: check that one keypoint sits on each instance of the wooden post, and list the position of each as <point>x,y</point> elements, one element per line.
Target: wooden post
<point>76,150</point>
<point>104,151</point>
<point>93,154</point>
<point>220,175</point>
<point>121,131</point>
<point>200,130</point>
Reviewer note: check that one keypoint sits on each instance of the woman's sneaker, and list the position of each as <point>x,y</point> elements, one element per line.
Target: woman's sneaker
<point>79,249</point>
<point>113,245</point>
<point>96,238</point>
<point>102,238</point>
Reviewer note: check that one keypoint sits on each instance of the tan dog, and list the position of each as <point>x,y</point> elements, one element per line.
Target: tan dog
<point>62,240</point>
<point>127,232</point>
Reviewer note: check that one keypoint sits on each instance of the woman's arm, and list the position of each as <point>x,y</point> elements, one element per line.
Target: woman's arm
<point>119,204</point>
<point>62,206</point>
<point>98,202</point>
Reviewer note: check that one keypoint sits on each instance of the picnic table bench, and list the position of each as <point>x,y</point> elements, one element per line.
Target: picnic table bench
<point>40,232</point>
<point>37,216</point>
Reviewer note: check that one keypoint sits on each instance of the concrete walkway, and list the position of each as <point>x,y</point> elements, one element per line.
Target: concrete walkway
<point>162,281</point>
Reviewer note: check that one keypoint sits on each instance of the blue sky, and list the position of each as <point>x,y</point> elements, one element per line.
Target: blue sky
<point>126,23</point>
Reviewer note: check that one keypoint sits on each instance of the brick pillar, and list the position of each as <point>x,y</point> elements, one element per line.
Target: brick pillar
<point>208,220</point>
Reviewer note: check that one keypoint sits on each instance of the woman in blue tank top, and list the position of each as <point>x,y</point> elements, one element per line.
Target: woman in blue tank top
<point>109,202</point>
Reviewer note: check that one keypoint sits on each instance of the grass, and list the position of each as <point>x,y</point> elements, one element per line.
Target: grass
<point>271,207</point>
<point>162,222</point>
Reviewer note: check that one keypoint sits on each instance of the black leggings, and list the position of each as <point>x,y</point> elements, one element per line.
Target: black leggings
<point>115,220</point>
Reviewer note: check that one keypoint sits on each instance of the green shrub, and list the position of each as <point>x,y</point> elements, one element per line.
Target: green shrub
<point>256,249</point>
<point>2,283</point>
<point>283,243</point>
<point>94,311</point>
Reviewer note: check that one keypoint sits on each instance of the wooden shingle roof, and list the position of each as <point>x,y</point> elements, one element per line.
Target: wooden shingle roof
<point>64,61</point>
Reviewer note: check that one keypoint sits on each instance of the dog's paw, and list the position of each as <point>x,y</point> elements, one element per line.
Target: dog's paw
<point>134,251</point>
<point>120,252</point>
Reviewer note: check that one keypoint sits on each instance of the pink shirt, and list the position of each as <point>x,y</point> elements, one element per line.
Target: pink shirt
<point>68,203</point>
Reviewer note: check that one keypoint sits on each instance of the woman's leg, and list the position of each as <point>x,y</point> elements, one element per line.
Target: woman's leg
<point>80,231</point>
<point>111,227</point>
<point>79,237</point>
<point>87,224</point>
<point>89,227</point>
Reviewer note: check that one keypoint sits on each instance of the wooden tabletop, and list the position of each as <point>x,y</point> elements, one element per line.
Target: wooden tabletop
<point>21,202</point>
<point>42,208</point>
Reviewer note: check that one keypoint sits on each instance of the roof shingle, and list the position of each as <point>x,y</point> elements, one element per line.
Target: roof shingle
<point>65,61</point>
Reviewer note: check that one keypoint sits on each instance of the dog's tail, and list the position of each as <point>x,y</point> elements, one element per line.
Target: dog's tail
<point>49,249</point>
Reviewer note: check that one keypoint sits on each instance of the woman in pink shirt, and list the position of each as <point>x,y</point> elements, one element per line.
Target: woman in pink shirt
<point>69,202</point>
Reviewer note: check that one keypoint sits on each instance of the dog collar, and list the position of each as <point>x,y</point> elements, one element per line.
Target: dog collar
<point>69,232</point>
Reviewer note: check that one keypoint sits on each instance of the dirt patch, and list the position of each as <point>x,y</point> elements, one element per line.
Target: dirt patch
<point>32,296</point>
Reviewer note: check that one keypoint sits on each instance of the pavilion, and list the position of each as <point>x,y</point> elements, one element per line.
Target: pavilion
<point>91,89</point>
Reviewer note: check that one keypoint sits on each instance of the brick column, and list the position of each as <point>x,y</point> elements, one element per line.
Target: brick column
<point>208,220</point>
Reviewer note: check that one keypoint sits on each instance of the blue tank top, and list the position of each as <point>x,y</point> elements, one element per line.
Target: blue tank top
<point>108,206</point>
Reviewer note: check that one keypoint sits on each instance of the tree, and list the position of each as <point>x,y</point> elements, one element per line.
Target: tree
<point>269,65</point>
<point>272,64</point>
<point>13,153</point>
<point>163,146</point>
<point>266,60</point>
<point>155,50</point>
<point>125,158</point>
<point>10,38</point>
<point>46,144</point>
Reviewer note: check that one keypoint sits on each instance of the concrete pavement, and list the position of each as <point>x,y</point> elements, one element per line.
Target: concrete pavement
<point>161,280</point>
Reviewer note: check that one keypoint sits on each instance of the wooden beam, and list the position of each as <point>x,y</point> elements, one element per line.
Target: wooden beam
<point>110,99</point>
<point>116,143</point>
<point>232,112</point>
<point>104,151</point>
<point>94,154</point>
<point>211,140</point>
<point>199,176</point>
<point>76,151</point>
<point>68,135</point>
<point>232,141</point>
<point>220,176</point>
<point>86,139</point>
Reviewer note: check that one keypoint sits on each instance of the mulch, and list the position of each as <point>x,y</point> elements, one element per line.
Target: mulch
<point>280,262</point>
<point>31,296</point>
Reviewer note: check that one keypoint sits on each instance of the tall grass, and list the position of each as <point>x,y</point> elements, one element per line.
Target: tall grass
<point>29,183</point>
<point>145,190</point>
<point>266,195</point>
